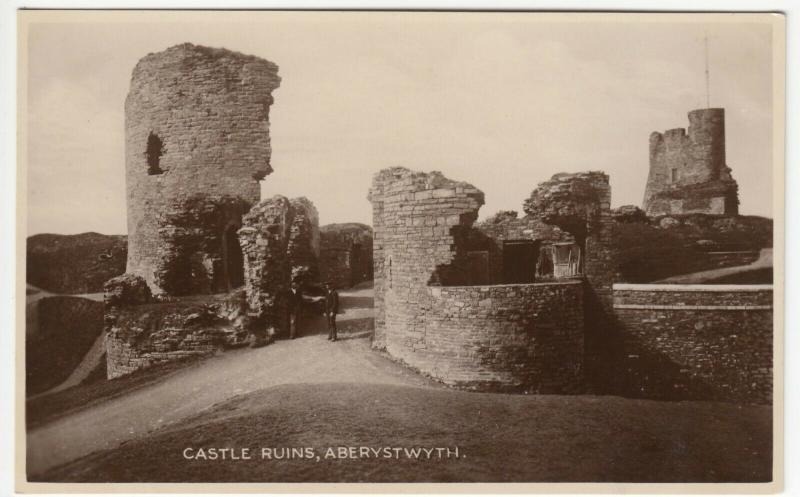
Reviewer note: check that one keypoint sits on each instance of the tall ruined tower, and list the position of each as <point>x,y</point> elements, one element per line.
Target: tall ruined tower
<point>688,173</point>
<point>197,145</point>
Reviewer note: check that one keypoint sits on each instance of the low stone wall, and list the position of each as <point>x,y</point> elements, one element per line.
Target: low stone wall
<point>500,337</point>
<point>711,342</point>
<point>144,335</point>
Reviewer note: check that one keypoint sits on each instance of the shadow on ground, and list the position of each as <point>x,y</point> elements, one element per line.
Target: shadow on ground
<point>497,438</point>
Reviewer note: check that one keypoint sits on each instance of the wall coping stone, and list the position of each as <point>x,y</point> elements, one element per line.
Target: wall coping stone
<point>694,307</point>
<point>511,285</point>
<point>644,287</point>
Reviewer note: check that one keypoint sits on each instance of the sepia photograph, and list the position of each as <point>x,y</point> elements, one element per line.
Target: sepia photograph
<point>362,247</point>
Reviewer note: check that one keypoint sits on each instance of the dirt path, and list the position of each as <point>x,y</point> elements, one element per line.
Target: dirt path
<point>310,359</point>
<point>37,293</point>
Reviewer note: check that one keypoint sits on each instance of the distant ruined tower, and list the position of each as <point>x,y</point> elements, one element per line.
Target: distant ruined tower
<point>688,173</point>
<point>197,145</point>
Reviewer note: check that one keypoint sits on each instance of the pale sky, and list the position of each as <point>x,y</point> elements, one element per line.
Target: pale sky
<point>502,101</point>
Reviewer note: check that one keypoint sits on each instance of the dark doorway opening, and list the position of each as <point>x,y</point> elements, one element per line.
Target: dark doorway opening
<point>232,259</point>
<point>519,261</point>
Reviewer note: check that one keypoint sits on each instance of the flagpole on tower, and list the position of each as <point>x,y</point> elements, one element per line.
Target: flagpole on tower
<point>708,91</point>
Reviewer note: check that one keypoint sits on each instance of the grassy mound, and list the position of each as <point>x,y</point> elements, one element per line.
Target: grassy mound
<point>647,252</point>
<point>75,263</point>
<point>499,438</point>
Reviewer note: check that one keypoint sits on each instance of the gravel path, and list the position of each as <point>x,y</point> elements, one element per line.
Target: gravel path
<point>309,359</point>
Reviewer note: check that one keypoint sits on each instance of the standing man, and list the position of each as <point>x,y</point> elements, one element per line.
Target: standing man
<point>295,301</point>
<point>331,309</point>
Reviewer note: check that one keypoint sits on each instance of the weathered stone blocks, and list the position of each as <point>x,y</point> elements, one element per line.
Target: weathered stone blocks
<point>710,342</point>
<point>278,237</point>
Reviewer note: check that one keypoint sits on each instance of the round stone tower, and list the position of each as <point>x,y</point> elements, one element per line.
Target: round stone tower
<point>707,132</point>
<point>196,146</point>
<point>688,173</point>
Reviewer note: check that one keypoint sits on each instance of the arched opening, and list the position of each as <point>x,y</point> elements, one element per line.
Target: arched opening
<point>232,258</point>
<point>153,153</point>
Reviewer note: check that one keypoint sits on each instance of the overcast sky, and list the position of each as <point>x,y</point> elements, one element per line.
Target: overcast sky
<point>501,101</point>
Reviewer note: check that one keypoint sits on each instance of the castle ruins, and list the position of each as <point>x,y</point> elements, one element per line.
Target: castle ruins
<point>688,172</point>
<point>514,303</point>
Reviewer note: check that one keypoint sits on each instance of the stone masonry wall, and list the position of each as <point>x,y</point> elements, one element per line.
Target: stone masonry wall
<point>416,220</point>
<point>501,337</point>
<point>711,342</point>
<point>196,127</point>
<point>688,173</point>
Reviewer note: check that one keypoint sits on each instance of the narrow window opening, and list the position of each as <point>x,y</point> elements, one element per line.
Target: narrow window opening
<point>155,149</point>
<point>674,175</point>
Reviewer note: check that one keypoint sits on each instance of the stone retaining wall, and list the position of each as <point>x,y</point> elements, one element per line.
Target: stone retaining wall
<point>709,342</point>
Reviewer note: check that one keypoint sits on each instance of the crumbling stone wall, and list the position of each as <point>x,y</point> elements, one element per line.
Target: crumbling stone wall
<point>417,218</point>
<point>489,236</point>
<point>688,173</point>
<point>496,337</point>
<point>195,255</point>
<point>303,244</point>
<point>278,235</point>
<point>580,204</point>
<point>710,342</point>
<point>345,254</point>
<point>142,331</point>
<point>197,145</point>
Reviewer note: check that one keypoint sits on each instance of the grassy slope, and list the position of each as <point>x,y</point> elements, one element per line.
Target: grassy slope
<point>504,438</point>
<point>66,328</point>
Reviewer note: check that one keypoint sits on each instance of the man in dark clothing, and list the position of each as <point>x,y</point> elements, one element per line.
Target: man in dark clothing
<point>295,302</point>
<point>331,309</point>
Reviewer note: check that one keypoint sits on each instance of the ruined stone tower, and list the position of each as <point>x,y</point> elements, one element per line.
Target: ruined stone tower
<point>688,173</point>
<point>197,145</point>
